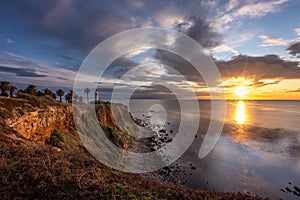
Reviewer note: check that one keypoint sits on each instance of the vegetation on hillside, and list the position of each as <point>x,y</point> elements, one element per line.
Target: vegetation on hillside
<point>62,168</point>
<point>7,89</point>
<point>33,171</point>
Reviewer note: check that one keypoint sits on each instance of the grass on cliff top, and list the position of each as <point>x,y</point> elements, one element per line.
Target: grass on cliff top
<point>33,171</point>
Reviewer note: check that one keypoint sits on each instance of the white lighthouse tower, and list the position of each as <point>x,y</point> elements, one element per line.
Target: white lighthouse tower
<point>96,96</point>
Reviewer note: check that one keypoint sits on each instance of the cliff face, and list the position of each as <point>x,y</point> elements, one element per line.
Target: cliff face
<point>36,120</point>
<point>115,121</point>
<point>118,119</point>
<point>33,120</point>
<point>39,124</point>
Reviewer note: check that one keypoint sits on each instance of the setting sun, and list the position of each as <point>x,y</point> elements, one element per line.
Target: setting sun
<point>241,91</point>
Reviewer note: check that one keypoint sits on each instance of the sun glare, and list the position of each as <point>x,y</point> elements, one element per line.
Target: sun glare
<point>241,91</point>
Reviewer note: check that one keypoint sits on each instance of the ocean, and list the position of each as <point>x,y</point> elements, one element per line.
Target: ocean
<point>257,153</point>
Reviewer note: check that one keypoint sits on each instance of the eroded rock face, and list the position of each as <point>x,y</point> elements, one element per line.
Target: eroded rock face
<point>37,120</point>
<point>38,125</point>
<point>116,116</point>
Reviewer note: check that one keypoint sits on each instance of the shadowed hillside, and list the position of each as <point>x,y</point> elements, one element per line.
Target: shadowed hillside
<point>42,157</point>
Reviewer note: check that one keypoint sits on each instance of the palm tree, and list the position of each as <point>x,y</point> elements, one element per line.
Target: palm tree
<point>12,89</point>
<point>71,93</point>
<point>49,93</point>
<point>31,89</point>
<point>4,86</point>
<point>87,91</point>
<point>60,93</point>
<point>69,96</point>
<point>39,94</point>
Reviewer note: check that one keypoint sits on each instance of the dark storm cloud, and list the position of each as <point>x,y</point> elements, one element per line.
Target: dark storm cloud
<point>179,64</point>
<point>119,67</point>
<point>21,72</point>
<point>189,18</point>
<point>83,24</point>
<point>295,49</point>
<point>79,24</point>
<point>202,32</point>
<point>263,67</point>
<point>62,28</point>
<point>264,70</point>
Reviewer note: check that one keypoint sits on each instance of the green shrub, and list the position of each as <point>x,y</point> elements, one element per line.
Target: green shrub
<point>56,139</point>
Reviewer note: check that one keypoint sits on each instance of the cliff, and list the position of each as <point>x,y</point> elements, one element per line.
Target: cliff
<point>36,118</point>
<point>31,170</point>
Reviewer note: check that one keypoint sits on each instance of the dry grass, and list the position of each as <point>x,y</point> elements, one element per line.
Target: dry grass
<point>40,172</point>
<point>34,171</point>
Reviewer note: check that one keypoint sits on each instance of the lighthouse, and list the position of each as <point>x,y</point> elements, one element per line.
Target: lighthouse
<point>96,96</point>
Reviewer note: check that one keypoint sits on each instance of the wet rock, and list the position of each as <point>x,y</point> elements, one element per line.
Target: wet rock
<point>288,189</point>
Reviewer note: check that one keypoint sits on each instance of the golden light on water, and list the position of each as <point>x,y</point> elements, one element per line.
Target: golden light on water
<point>240,115</point>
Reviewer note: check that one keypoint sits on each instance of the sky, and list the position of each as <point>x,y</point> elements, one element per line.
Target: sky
<point>255,44</point>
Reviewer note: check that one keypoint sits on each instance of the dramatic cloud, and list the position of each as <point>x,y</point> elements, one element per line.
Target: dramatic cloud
<point>295,49</point>
<point>83,24</point>
<point>262,71</point>
<point>53,37</point>
<point>201,31</point>
<point>20,70</point>
<point>269,67</point>
<point>179,64</point>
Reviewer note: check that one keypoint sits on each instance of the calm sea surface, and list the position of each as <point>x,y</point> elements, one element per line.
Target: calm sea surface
<point>258,151</point>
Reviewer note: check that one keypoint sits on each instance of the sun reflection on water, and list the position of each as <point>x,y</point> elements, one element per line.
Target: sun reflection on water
<point>240,116</point>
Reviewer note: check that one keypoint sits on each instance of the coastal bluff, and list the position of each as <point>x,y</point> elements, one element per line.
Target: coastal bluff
<point>42,157</point>
<point>36,118</point>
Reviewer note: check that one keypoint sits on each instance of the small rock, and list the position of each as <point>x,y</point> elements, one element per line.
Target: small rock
<point>56,149</point>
